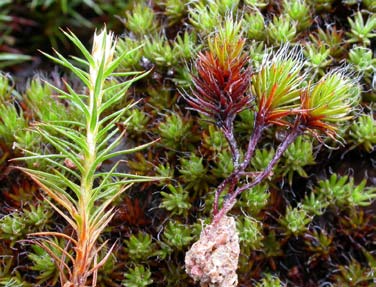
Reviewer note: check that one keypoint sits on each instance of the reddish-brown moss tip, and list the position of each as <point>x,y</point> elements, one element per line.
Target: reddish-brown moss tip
<point>221,86</point>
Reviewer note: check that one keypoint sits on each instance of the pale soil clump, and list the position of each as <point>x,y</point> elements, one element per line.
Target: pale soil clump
<point>213,259</point>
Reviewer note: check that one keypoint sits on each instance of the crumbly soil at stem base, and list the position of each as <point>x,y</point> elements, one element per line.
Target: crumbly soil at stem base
<point>213,259</point>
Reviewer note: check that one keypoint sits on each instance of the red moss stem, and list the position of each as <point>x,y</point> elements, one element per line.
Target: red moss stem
<point>256,135</point>
<point>230,202</point>
<point>239,168</point>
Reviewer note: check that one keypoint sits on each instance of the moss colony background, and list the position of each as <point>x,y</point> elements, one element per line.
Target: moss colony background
<point>311,223</point>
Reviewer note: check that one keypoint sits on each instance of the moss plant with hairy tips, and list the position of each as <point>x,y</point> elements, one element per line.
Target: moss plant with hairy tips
<point>298,155</point>
<point>256,25</point>
<point>204,17</point>
<point>174,10</point>
<point>277,84</point>
<point>11,125</point>
<point>124,46</point>
<point>174,131</point>
<point>362,31</point>
<point>142,20</point>
<point>186,45</point>
<point>176,200</point>
<point>318,58</point>
<point>282,30</point>
<point>194,173</point>
<point>342,191</point>
<point>296,220</point>
<point>314,204</point>
<point>363,61</point>
<point>299,11</point>
<point>270,281</point>
<point>43,264</point>
<point>139,247</point>
<point>159,51</point>
<point>255,199</point>
<point>332,37</point>
<point>363,132</point>
<point>38,96</point>
<point>177,235</point>
<point>139,276</point>
<point>15,226</point>
<point>250,235</point>
<point>87,206</point>
<point>283,96</point>
<point>329,101</point>
<point>222,81</point>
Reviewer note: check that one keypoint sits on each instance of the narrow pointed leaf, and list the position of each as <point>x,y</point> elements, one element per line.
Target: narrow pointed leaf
<point>71,36</point>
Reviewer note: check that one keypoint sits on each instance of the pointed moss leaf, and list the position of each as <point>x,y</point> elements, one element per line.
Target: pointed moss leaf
<point>71,36</point>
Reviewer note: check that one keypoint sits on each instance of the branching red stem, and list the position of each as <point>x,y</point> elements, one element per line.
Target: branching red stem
<point>239,168</point>
<point>230,202</point>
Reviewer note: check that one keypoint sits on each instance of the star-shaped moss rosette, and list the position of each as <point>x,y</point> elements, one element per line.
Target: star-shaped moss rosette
<point>329,102</point>
<point>221,84</point>
<point>277,84</point>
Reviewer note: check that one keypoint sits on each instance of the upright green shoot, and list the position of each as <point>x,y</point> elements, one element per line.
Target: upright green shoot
<point>75,186</point>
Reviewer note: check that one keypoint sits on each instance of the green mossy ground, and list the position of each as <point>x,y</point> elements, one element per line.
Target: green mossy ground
<point>313,223</point>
